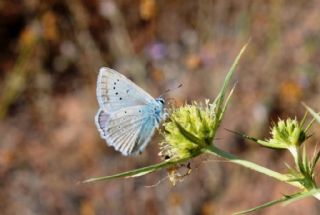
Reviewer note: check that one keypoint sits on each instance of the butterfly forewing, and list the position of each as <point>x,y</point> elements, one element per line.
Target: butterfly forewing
<point>115,91</point>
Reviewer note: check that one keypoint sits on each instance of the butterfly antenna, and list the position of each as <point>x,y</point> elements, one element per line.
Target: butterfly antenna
<point>168,90</point>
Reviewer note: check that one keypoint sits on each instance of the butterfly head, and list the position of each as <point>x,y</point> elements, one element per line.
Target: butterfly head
<point>159,110</point>
<point>160,100</point>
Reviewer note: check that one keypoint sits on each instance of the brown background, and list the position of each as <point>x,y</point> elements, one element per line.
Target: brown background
<point>50,55</point>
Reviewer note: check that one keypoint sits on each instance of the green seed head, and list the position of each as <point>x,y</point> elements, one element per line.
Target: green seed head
<point>190,128</point>
<point>287,133</point>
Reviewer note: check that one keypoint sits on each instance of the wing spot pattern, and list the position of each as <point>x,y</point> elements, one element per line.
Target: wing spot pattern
<point>128,121</point>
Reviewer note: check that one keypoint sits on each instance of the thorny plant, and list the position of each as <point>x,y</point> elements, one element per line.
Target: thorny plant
<point>190,132</point>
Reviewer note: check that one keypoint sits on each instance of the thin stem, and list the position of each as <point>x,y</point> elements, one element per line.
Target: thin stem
<point>232,158</point>
<point>138,172</point>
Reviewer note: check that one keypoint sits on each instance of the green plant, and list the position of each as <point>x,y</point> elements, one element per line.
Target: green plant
<point>191,129</point>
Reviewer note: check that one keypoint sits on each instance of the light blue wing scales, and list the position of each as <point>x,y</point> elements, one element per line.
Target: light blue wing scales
<point>128,130</point>
<point>146,132</point>
<point>115,91</point>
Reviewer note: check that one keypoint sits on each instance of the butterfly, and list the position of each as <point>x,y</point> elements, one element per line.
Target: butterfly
<point>128,116</point>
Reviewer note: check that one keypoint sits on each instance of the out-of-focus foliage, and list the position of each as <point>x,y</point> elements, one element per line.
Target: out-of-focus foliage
<point>49,60</point>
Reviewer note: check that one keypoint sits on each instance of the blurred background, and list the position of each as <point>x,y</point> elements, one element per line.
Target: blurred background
<point>50,55</point>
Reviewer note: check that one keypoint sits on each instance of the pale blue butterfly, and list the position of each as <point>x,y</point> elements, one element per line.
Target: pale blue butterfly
<point>128,116</point>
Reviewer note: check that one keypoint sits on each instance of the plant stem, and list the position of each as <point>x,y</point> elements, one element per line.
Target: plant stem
<point>232,158</point>
<point>138,172</point>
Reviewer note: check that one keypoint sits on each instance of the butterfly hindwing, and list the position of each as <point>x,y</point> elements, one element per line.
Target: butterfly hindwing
<point>115,91</point>
<point>128,130</point>
<point>145,135</point>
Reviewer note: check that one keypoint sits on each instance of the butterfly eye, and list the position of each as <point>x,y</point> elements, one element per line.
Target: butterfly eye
<point>161,100</point>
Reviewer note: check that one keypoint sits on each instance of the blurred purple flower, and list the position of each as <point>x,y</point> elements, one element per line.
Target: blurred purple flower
<point>156,51</point>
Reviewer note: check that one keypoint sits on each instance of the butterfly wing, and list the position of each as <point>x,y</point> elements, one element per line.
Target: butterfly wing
<point>115,91</point>
<point>145,134</point>
<point>128,130</point>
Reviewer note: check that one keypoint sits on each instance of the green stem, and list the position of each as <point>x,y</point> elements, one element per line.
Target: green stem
<point>232,158</point>
<point>138,172</point>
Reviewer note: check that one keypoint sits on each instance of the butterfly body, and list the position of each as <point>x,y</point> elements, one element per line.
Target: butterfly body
<point>128,116</point>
